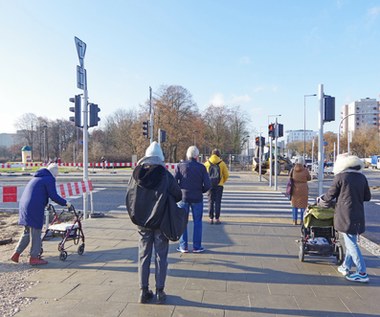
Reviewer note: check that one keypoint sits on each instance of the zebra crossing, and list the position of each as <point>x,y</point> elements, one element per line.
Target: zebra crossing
<point>254,203</point>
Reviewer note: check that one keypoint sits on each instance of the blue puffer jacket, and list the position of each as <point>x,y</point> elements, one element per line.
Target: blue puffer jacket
<point>193,179</point>
<point>35,198</point>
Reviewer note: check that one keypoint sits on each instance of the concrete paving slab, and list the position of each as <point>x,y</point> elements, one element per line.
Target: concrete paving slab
<point>50,290</point>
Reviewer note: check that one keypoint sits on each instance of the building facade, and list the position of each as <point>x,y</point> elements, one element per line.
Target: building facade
<point>300,135</point>
<point>358,114</point>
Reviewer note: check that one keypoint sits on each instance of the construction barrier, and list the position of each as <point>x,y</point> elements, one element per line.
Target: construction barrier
<point>12,194</point>
<point>93,165</point>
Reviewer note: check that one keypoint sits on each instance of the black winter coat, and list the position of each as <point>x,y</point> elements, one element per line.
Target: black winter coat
<point>350,189</point>
<point>147,194</point>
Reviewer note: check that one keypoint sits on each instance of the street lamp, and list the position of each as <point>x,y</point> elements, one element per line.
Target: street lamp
<point>304,122</point>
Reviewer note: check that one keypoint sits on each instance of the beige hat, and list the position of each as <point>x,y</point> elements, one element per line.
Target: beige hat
<point>53,168</point>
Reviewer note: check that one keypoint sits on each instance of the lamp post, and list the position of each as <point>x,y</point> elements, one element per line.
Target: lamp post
<point>304,121</point>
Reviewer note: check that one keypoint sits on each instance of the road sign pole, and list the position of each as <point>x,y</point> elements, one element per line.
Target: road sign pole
<point>81,50</point>
<point>85,144</point>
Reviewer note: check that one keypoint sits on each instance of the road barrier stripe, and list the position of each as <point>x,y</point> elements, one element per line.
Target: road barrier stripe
<point>12,194</point>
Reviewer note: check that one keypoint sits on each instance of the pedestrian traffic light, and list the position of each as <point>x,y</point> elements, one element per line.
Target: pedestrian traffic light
<point>94,115</point>
<point>257,141</point>
<point>146,129</point>
<point>328,109</point>
<point>280,130</point>
<point>77,110</point>
<point>162,136</point>
<point>271,131</point>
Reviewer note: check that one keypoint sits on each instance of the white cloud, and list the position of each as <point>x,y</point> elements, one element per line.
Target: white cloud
<point>374,12</point>
<point>217,100</point>
<point>241,99</point>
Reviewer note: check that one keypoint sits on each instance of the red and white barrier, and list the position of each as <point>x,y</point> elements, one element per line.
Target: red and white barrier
<point>12,194</point>
<point>93,165</point>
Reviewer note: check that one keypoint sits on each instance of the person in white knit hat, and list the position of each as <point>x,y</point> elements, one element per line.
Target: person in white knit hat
<point>146,196</point>
<point>349,189</point>
<point>32,205</point>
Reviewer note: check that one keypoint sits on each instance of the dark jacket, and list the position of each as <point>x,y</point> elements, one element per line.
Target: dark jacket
<point>350,189</point>
<point>193,180</point>
<point>36,196</point>
<point>147,192</point>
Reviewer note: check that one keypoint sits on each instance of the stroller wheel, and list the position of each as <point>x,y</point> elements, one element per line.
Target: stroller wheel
<point>63,256</point>
<point>81,249</point>
<point>301,254</point>
<point>339,255</point>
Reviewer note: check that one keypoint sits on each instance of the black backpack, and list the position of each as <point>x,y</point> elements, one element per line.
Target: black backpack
<point>214,174</point>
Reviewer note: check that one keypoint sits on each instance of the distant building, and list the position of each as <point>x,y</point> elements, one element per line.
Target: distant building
<point>354,122</point>
<point>299,135</point>
<point>8,139</point>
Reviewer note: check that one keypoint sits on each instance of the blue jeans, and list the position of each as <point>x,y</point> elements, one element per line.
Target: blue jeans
<point>353,253</point>
<point>197,212</point>
<point>295,213</point>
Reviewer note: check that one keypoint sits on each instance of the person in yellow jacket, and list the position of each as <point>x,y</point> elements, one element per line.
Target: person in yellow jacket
<point>218,173</point>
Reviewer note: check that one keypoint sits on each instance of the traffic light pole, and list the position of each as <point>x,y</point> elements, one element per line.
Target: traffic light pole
<point>320,140</point>
<point>275,153</point>
<point>85,144</point>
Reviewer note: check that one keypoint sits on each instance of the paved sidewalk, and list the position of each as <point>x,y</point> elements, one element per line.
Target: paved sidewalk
<point>250,268</point>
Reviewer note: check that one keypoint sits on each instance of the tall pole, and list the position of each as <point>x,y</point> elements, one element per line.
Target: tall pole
<point>320,139</point>
<point>275,153</point>
<point>260,156</point>
<point>85,142</point>
<point>151,115</point>
<point>304,122</point>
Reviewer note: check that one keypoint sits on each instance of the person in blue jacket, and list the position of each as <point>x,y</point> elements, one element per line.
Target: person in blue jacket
<point>33,201</point>
<point>194,181</point>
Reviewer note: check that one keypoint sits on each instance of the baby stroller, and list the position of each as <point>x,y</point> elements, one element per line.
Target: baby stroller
<point>319,237</point>
<point>68,231</point>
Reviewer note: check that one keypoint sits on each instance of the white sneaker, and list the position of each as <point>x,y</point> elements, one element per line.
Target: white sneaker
<point>343,270</point>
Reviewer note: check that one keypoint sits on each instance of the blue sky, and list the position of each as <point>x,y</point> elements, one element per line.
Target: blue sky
<point>261,55</point>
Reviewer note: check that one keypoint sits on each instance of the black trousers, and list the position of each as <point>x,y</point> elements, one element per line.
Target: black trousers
<point>215,201</point>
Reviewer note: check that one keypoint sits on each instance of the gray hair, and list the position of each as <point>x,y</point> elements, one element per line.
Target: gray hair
<point>192,152</point>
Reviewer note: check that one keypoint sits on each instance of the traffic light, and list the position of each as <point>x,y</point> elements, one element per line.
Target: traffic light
<point>328,109</point>
<point>280,130</point>
<point>257,141</point>
<point>146,129</point>
<point>77,110</point>
<point>162,136</point>
<point>271,131</point>
<point>94,115</point>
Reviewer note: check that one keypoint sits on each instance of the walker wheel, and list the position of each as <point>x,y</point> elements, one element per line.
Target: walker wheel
<point>81,249</point>
<point>63,256</point>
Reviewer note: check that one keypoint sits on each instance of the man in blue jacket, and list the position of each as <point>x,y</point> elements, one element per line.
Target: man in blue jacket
<point>32,205</point>
<point>193,180</point>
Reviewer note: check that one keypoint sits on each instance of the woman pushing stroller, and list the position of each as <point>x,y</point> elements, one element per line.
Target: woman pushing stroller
<point>350,189</point>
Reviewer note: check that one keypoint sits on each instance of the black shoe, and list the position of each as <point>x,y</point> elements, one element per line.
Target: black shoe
<point>145,295</point>
<point>161,296</point>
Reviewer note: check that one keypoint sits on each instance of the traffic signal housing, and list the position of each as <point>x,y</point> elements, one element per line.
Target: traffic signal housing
<point>272,130</point>
<point>257,141</point>
<point>94,115</point>
<point>146,129</point>
<point>77,110</point>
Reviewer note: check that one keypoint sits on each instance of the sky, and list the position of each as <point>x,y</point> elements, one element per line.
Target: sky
<point>263,56</point>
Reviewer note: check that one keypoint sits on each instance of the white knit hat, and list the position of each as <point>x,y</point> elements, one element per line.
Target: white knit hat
<point>53,168</point>
<point>154,149</point>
